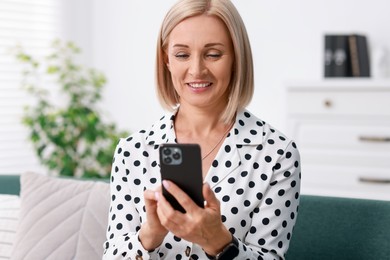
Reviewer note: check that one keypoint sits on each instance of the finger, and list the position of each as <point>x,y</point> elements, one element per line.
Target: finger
<point>210,198</point>
<point>168,216</point>
<point>150,202</point>
<point>150,195</point>
<point>151,209</point>
<point>184,200</point>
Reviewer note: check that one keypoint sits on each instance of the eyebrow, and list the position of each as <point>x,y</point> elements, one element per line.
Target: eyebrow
<point>178,45</point>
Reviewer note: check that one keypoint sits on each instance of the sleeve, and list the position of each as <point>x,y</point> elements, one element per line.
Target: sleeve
<point>122,240</point>
<point>274,219</point>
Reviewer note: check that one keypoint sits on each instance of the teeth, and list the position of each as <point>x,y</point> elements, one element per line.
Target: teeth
<point>199,85</point>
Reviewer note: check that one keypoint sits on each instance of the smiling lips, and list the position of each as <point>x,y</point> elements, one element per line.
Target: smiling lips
<point>199,85</point>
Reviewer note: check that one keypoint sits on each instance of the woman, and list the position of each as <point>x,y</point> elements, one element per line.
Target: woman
<point>251,171</point>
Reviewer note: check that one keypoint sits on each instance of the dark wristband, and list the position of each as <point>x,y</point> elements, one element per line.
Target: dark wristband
<point>228,253</point>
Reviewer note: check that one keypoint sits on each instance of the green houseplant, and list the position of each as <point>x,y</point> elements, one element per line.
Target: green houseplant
<point>69,134</point>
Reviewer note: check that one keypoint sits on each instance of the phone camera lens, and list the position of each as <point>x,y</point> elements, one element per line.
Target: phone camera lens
<point>167,151</point>
<point>167,160</point>
<point>176,156</point>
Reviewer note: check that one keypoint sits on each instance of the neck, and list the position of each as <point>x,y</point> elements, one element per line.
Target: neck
<point>199,122</point>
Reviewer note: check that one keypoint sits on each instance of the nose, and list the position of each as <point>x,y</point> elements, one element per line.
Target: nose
<point>197,67</point>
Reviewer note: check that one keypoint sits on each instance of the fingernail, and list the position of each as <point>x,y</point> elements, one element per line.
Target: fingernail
<point>166,184</point>
<point>156,195</point>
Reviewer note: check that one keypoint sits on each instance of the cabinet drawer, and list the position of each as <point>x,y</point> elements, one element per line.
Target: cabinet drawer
<point>339,102</point>
<point>344,143</point>
<point>352,182</point>
<point>343,134</point>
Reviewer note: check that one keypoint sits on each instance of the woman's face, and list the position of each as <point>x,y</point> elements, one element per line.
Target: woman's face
<point>200,58</point>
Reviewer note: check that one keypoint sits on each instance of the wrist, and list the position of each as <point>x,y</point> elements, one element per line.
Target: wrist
<point>215,246</point>
<point>229,252</point>
<point>149,239</point>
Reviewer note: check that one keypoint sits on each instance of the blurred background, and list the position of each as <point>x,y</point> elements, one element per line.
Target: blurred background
<point>119,38</point>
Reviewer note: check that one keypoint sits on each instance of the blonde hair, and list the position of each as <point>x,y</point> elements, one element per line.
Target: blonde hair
<point>242,83</point>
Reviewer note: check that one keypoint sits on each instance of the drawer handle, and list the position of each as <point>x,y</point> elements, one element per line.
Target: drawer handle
<point>374,180</point>
<point>328,103</point>
<point>376,139</point>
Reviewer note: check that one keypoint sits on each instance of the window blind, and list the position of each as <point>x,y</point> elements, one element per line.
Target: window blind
<point>33,25</point>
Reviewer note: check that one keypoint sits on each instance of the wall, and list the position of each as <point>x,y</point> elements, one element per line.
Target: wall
<point>286,38</point>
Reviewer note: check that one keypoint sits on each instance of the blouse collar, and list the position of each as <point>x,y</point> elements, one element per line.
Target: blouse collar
<point>247,130</point>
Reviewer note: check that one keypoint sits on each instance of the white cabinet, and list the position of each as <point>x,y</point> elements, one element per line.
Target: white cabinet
<point>342,129</point>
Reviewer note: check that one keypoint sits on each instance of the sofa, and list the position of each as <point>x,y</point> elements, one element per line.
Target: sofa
<point>331,228</point>
<point>52,218</point>
<point>327,227</point>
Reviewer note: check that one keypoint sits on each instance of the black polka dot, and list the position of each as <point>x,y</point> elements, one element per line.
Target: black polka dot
<point>252,230</point>
<point>240,191</point>
<point>244,174</point>
<point>243,223</point>
<point>215,164</point>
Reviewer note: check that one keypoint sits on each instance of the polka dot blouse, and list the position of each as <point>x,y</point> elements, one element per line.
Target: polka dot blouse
<point>255,175</point>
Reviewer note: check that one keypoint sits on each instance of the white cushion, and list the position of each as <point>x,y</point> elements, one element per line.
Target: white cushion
<point>9,213</point>
<point>61,218</point>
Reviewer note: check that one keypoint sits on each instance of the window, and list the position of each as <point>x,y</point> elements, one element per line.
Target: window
<point>34,25</point>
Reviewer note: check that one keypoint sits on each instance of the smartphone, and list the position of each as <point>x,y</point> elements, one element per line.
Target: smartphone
<point>182,164</point>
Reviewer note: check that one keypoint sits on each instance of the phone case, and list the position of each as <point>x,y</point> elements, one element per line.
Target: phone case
<point>182,164</point>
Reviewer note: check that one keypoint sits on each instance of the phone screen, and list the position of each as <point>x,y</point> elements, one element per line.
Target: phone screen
<point>182,164</point>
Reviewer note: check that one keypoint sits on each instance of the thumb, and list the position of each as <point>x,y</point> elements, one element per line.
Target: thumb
<point>209,197</point>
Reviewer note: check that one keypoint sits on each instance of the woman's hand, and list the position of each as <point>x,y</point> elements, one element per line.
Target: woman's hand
<point>152,233</point>
<point>198,225</point>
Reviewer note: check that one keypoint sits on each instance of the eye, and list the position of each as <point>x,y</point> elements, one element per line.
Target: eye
<point>181,55</point>
<point>214,55</point>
